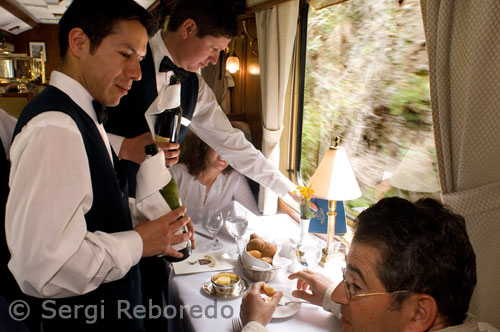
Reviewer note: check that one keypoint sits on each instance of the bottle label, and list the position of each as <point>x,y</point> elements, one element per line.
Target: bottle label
<point>161,139</point>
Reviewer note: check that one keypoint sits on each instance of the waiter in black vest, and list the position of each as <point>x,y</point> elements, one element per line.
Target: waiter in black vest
<point>197,31</point>
<point>68,223</point>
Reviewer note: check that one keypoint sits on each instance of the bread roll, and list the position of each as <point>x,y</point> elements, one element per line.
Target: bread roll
<point>255,253</point>
<point>256,244</point>
<point>268,290</point>
<point>254,236</point>
<point>269,250</point>
<point>268,260</point>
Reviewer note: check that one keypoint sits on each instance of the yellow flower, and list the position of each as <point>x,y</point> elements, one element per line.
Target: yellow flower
<point>305,193</point>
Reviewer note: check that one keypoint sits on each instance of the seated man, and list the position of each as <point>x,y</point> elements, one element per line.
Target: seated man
<point>411,267</point>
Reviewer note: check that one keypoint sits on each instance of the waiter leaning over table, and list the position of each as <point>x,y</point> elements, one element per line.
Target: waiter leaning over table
<point>68,224</point>
<point>197,31</point>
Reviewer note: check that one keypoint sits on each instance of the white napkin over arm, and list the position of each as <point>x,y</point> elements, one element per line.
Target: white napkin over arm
<point>168,98</point>
<point>151,177</point>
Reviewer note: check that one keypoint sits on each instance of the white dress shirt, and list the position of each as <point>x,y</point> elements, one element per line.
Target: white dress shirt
<point>53,254</point>
<point>7,124</point>
<point>225,189</point>
<point>211,125</point>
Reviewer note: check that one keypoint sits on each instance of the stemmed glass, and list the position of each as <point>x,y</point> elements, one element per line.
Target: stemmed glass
<point>236,227</point>
<point>213,223</point>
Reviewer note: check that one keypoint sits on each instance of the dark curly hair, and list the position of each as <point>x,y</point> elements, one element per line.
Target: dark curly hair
<point>425,249</point>
<point>195,160</point>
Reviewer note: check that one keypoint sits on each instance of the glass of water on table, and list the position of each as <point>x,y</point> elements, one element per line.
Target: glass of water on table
<point>236,226</point>
<point>213,223</point>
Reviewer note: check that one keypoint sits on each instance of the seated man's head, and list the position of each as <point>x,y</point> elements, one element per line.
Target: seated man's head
<point>205,28</point>
<point>417,261</point>
<point>101,44</point>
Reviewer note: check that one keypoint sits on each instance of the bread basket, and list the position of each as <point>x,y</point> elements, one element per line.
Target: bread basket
<point>256,275</point>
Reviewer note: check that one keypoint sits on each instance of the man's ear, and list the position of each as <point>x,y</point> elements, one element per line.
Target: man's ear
<point>189,28</point>
<point>78,42</point>
<point>421,313</point>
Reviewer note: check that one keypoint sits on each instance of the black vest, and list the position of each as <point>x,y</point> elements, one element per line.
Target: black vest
<point>109,213</point>
<point>127,119</point>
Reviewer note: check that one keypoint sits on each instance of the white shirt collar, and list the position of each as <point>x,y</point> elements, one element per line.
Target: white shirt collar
<point>158,49</point>
<point>75,91</point>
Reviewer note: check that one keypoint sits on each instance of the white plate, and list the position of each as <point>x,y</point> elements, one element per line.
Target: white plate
<point>286,310</point>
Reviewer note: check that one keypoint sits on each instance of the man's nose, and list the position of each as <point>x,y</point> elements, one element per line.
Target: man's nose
<point>339,295</point>
<point>214,57</point>
<point>133,71</point>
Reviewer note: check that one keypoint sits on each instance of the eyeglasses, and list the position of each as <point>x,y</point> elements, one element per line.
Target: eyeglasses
<point>350,295</point>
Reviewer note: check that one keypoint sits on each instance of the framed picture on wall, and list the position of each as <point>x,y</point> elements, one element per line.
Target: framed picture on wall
<point>36,48</point>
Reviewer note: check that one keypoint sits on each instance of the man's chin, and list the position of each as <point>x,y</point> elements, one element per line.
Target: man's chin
<point>346,326</point>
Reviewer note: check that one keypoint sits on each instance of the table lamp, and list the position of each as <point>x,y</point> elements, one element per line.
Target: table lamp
<point>334,180</point>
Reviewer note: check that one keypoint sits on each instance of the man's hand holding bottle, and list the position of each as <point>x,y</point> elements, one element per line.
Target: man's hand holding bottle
<point>158,235</point>
<point>133,149</point>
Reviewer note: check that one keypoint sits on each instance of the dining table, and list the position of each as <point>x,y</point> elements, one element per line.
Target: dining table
<point>192,308</point>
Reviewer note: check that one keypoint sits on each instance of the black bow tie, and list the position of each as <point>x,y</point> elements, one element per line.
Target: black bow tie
<point>166,65</point>
<point>100,111</point>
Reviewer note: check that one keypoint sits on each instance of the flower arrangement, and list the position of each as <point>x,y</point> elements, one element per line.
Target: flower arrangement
<point>305,204</point>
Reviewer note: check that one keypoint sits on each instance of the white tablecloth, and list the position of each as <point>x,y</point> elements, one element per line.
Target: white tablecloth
<point>204,314</point>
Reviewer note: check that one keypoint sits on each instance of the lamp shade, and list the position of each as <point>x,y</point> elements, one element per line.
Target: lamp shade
<point>233,64</point>
<point>334,178</point>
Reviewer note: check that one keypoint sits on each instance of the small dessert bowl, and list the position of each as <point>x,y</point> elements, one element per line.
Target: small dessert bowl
<point>226,284</point>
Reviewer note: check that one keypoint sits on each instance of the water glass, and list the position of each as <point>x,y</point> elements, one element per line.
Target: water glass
<point>308,254</point>
<point>236,227</point>
<point>213,223</point>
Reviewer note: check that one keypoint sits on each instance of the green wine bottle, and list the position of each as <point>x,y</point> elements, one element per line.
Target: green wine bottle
<point>171,195</point>
<point>168,122</point>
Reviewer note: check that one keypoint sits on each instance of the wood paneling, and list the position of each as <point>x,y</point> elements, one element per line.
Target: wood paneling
<point>246,95</point>
<point>44,33</point>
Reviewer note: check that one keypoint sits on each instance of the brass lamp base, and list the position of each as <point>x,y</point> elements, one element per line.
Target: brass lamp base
<point>326,252</point>
<point>335,253</point>
<point>324,257</point>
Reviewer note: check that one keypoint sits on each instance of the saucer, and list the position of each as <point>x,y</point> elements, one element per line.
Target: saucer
<point>286,310</point>
<point>208,289</point>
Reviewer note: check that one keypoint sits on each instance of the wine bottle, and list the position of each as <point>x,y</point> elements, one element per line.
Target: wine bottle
<point>171,195</point>
<point>168,123</point>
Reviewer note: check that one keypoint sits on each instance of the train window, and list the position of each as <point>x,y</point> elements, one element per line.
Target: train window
<point>366,81</point>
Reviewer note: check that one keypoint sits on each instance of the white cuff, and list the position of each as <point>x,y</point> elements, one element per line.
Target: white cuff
<point>328,304</point>
<point>254,326</point>
<point>132,241</point>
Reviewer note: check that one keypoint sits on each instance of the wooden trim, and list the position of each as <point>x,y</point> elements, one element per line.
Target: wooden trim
<point>18,12</point>
<point>265,5</point>
<point>7,33</point>
<point>153,6</point>
<point>327,5</point>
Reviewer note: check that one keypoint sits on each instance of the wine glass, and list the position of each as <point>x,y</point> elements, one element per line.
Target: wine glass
<point>236,227</point>
<point>213,223</point>
<point>308,254</point>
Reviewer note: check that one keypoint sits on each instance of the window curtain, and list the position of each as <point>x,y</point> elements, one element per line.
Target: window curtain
<point>463,43</point>
<point>276,30</point>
